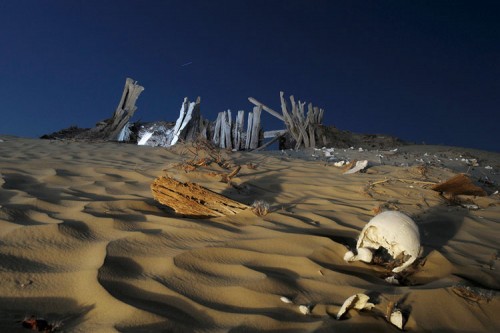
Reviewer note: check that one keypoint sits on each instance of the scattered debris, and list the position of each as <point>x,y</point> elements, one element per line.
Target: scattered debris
<point>470,206</point>
<point>396,318</point>
<point>392,280</point>
<point>358,302</point>
<point>286,300</point>
<point>360,166</point>
<point>393,231</point>
<point>226,177</point>
<point>340,164</point>
<point>306,309</point>
<point>25,284</point>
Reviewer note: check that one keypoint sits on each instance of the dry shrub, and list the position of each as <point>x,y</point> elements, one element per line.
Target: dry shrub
<point>260,208</point>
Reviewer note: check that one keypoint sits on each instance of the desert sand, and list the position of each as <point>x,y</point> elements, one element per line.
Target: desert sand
<point>84,245</point>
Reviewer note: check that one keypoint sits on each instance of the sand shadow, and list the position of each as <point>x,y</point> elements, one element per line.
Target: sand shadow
<point>65,311</point>
<point>437,227</point>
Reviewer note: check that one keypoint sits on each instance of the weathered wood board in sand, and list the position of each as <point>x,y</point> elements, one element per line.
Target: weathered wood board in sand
<point>192,200</point>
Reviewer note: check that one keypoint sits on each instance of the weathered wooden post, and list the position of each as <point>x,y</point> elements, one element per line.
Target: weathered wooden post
<point>249,130</point>
<point>188,123</point>
<point>110,129</point>
<point>238,130</point>
<point>255,134</point>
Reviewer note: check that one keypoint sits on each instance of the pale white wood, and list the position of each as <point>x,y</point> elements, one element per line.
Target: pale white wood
<point>218,123</point>
<point>254,141</point>
<point>249,130</point>
<point>265,108</point>
<point>238,130</point>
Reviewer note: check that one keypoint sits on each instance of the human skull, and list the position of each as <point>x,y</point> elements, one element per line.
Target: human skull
<point>395,232</point>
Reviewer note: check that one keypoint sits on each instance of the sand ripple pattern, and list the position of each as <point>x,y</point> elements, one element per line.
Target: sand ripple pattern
<point>82,241</point>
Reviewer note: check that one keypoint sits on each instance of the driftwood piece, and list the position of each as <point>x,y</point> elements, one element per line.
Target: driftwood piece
<point>192,200</point>
<point>110,129</point>
<point>460,184</point>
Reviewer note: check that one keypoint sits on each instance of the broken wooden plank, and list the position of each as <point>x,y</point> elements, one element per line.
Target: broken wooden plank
<point>275,133</point>
<point>265,108</point>
<point>192,200</point>
<point>270,142</point>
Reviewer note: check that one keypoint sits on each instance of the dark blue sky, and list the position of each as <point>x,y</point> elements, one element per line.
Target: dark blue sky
<point>426,71</point>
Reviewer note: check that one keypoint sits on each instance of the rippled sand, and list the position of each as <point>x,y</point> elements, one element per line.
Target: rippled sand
<point>83,243</point>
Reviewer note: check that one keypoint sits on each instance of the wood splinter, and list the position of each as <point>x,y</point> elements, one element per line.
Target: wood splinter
<point>192,200</point>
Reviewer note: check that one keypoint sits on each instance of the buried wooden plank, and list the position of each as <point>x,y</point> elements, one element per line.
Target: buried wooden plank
<point>192,200</point>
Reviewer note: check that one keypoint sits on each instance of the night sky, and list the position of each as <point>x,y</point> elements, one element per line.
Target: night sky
<point>425,71</point>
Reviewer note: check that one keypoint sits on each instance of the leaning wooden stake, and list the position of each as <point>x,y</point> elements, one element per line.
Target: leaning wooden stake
<point>193,200</point>
<point>110,129</point>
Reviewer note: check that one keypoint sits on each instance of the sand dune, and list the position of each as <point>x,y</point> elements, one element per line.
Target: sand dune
<point>83,243</point>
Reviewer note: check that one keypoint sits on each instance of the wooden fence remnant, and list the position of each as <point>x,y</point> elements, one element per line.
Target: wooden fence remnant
<point>303,128</point>
<point>192,200</point>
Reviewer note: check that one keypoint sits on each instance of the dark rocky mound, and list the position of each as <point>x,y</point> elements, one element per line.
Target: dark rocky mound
<point>71,132</point>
